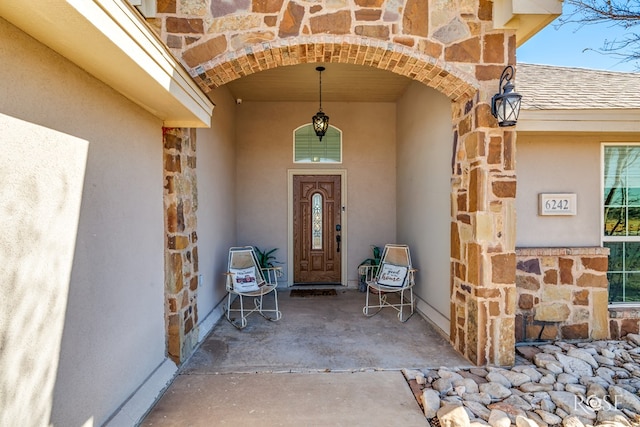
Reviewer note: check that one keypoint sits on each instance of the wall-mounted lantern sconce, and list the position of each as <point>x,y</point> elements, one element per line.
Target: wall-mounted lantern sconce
<point>320,121</point>
<point>505,105</point>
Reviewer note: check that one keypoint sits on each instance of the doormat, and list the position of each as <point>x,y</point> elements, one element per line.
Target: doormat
<point>304,293</point>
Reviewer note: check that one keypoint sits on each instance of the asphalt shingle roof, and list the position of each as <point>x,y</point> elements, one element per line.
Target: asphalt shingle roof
<point>546,87</point>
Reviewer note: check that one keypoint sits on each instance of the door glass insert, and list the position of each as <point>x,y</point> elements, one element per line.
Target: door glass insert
<point>316,221</point>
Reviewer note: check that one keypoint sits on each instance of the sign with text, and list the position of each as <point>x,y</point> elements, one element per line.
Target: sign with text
<point>557,204</point>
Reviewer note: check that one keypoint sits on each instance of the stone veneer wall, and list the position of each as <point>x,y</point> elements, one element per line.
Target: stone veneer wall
<point>220,41</point>
<point>483,257</point>
<point>181,256</point>
<point>623,321</point>
<point>449,46</point>
<point>562,293</point>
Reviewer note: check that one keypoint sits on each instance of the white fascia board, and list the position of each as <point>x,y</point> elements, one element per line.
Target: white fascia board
<point>537,7</point>
<point>527,17</point>
<point>110,40</point>
<point>610,121</point>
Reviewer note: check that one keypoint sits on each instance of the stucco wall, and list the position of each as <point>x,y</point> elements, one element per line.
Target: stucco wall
<point>216,171</point>
<point>424,194</point>
<point>82,323</point>
<point>265,153</point>
<point>558,164</point>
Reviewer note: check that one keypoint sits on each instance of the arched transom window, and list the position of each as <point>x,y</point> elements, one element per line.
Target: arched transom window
<point>307,147</point>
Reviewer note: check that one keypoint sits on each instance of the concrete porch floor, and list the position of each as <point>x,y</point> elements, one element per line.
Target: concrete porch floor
<point>323,364</point>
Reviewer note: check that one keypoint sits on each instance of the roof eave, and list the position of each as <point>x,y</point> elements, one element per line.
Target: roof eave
<point>111,41</point>
<point>527,17</point>
<point>601,120</point>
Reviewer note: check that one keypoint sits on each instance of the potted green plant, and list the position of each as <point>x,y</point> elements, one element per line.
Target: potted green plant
<point>266,258</point>
<point>375,261</point>
<point>267,261</point>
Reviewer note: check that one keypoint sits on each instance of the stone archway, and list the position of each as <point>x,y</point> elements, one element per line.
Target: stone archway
<point>462,58</point>
<point>386,56</point>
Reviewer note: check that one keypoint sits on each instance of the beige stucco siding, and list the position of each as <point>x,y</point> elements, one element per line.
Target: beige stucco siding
<point>216,171</point>
<point>561,163</point>
<point>265,154</point>
<point>558,164</point>
<point>424,194</point>
<point>82,323</point>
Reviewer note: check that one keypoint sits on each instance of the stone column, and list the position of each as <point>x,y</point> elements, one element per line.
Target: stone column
<point>483,261</point>
<point>181,254</point>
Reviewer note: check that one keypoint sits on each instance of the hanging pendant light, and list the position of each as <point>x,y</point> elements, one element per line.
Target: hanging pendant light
<point>320,121</point>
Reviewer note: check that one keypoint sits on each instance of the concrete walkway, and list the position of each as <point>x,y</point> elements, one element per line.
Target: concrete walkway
<point>289,399</point>
<point>323,364</point>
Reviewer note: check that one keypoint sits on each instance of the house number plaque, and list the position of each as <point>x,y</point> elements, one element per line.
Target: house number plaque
<point>557,204</point>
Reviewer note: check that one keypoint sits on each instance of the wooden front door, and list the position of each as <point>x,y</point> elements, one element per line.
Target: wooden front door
<point>316,229</point>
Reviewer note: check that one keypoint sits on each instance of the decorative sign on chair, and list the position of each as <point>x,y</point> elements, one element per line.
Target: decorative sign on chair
<point>244,279</point>
<point>395,275</point>
<point>392,275</point>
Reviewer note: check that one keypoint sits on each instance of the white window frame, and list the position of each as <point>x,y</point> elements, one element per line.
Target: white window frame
<point>613,239</point>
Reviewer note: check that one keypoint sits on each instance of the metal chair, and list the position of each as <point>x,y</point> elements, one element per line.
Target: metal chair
<point>245,278</point>
<point>392,278</point>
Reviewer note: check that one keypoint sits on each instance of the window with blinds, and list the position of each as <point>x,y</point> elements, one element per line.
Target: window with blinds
<point>307,147</point>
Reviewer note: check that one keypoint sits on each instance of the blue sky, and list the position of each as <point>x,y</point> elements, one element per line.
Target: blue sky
<point>574,46</point>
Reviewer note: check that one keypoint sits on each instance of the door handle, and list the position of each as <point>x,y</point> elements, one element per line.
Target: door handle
<point>338,239</point>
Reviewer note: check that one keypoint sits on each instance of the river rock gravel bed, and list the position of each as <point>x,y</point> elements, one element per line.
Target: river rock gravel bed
<point>566,384</point>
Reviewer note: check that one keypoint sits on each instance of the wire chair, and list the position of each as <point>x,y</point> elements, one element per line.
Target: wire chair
<point>246,279</point>
<point>392,278</point>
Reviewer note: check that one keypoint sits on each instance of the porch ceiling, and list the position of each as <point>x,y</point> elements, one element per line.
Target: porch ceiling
<point>340,82</point>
